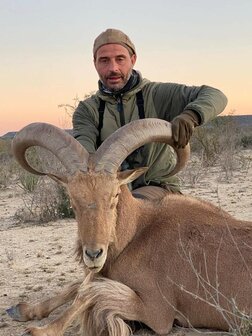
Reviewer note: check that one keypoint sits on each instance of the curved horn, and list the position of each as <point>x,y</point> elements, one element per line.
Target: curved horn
<point>69,151</point>
<point>125,140</point>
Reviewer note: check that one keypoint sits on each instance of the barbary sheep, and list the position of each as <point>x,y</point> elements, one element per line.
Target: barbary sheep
<point>157,260</point>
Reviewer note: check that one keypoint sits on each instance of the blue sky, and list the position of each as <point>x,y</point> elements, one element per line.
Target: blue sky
<point>46,50</point>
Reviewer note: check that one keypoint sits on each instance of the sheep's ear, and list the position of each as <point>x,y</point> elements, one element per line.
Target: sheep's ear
<point>127,176</point>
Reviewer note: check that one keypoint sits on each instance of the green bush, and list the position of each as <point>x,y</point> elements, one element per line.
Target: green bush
<point>47,202</point>
<point>246,141</point>
<point>28,181</point>
<point>8,165</point>
<point>64,207</point>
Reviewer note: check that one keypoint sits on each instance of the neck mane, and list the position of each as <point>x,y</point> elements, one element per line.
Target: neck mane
<point>127,224</point>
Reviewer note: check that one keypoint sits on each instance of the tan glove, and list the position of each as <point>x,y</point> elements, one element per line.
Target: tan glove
<point>182,127</point>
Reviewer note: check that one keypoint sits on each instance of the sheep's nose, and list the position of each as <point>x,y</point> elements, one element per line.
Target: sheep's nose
<point>93,254</point>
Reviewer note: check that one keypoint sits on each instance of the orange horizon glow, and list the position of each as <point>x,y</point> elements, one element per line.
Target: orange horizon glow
<point>37,100</point>
<point>46,54</point>
<point>60,118</point>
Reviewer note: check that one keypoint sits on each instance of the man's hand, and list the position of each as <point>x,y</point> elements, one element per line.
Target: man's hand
<point>182,127</point>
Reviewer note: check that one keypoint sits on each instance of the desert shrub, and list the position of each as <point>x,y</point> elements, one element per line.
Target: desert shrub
<point>194,172</point>
<point>44,199</point>
<point>70,108</point>
<point>28,181</point>
<point>215,137</point>
<point>5,176</point>
<point>246,141</point>
<point>5,151</point>
<point>64,207</point>
<point>47,202</point>
<point>218,142</point>
<point>8,165</point>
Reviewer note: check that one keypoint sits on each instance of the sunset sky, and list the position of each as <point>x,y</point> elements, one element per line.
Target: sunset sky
<point>46,50</point>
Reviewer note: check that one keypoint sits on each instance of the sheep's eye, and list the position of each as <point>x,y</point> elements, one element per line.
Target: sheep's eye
<point>116,196</point>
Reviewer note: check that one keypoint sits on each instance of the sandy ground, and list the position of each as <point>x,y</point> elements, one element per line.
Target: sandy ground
<point>38,260</point>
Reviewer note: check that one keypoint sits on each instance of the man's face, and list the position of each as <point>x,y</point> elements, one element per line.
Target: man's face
<point>114,65</point>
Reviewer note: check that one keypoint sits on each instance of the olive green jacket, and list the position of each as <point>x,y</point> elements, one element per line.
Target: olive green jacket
<point>161,100</point>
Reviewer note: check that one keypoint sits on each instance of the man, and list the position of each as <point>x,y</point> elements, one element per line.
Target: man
<point>124,96</point>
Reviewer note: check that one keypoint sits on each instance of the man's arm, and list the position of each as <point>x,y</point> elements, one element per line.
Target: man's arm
<point>187,107</point>
<point>84,128</point>
<point>208,104</point>
<point>173,99</point>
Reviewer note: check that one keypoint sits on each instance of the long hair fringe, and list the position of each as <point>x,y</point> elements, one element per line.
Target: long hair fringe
<point>102,310</point>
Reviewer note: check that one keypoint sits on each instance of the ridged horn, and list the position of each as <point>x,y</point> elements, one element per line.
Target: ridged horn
<point>125,140</point>
<point>69,151</point>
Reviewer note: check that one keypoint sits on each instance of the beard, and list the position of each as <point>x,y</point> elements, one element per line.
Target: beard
<point>117,86</point>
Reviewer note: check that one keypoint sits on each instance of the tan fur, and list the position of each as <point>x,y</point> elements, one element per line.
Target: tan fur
<point>176,259</point>
<point>179,243</point>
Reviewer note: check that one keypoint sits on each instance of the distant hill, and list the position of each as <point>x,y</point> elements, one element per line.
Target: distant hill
<point>240,120</point>
<point>10,135</point>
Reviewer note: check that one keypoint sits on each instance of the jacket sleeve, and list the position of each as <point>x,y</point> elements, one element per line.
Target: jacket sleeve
<point>172,99</point>
<point>84,127</point>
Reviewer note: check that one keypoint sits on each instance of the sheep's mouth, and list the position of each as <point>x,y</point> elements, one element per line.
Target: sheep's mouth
<point>94,266</point>
<point>95,269</point>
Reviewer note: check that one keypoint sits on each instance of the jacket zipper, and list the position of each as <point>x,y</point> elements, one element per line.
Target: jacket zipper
<point>120,109</point>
